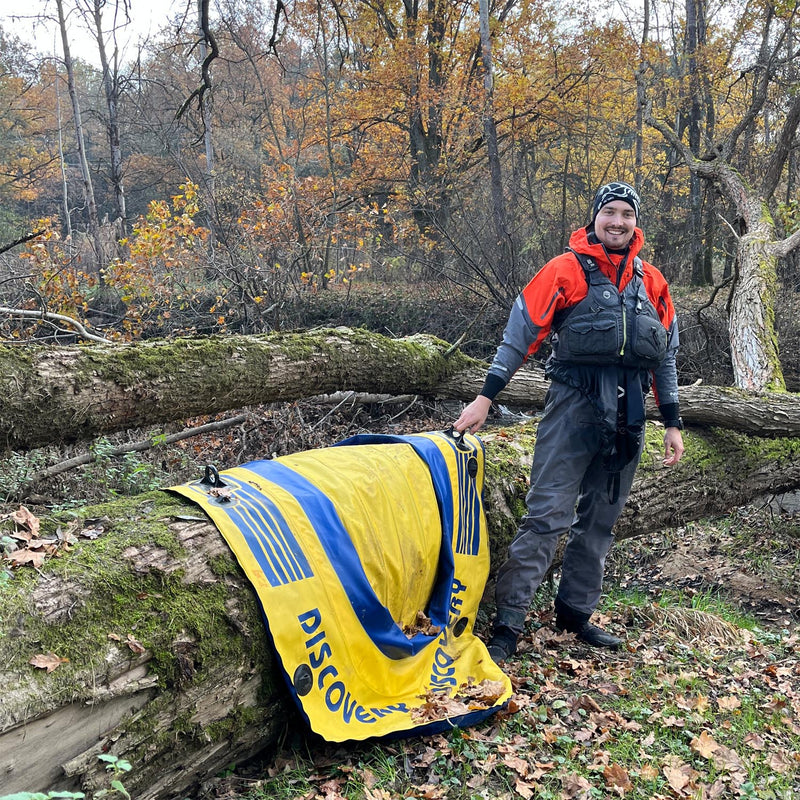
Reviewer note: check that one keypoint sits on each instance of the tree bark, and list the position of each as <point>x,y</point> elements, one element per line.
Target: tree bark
<point>70,394</point>
<point>751,324</point>
<point>169,665</point>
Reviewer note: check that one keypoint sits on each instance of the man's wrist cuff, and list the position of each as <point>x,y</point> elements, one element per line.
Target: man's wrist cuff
<point>492,386</point>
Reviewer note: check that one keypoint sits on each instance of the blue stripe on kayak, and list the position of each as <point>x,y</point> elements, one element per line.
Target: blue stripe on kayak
<point>438,610</point>
<point>266,532</point>
<point>332,534</point>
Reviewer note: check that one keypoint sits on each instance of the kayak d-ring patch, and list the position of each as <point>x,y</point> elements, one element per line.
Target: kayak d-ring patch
<point>303,680</point>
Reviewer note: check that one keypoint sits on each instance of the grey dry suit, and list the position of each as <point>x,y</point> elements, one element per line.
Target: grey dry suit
<point>588,443</point>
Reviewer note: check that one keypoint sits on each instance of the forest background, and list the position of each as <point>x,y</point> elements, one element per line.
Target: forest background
<point>401,166</point>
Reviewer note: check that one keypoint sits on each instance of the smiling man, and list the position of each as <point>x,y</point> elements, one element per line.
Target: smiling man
<point>614,337</point>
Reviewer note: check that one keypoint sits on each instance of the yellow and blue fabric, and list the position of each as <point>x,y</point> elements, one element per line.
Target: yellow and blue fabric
<point>345,546</point>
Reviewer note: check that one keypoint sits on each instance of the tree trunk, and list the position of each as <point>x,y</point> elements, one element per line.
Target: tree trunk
<point>69,394</point>
<point>753,340</point>
<point>92,217</point>
<point>169,665</point>
<point>111,88</point>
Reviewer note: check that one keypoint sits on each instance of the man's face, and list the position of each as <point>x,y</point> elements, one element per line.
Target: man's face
<point>614,224</point>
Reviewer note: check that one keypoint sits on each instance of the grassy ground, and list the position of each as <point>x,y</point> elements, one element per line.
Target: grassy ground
<point>703,702</point>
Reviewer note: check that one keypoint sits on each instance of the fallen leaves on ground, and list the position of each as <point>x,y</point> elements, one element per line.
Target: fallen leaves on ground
<point>22,544</point>
<point>470,696</point>
<point>676,706</point>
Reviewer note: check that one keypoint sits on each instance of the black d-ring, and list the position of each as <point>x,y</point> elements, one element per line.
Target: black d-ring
<point>458,437</point>
<point>212,478</point>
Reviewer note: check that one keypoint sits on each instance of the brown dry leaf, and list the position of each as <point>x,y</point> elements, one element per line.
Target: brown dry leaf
<point>115,637</point>
<point>648,772</point>
<point>48,661</point>
<point>617,778</point>
<point>755,741</point>
<point>330,789</point>
<point>426,757</point>
<point>369,778</point>
<point>487,764</point>
<point>776,705</point>
<point>134,645</point>
<point>681,701</point>
<point>33,557</point>
<point>704,745</point>
<point>729,703</point>
<point>701,704</point>
<point>486,693</point>
<point>791,725</point>
<point>540,769</point>
<point>587,704</point>
<point>515,704</point>
<point>376,794</point>
<point>525,789</point>
<point>437,705</point>
<point>421,624</point>
<point>727,759</point>
<point>476,781</point>
<point>26,519</point>
<point>574,787</point>
<point>519,765</point>
<point>781,762</point>
<point>679,775</point>
<point>429,791</point>
<point>717,790</point>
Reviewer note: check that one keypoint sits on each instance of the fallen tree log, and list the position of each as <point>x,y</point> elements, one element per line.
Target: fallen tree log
<point>149,641</point>
<point>52,395</point>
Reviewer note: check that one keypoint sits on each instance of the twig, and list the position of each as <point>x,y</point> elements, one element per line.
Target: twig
<point>51,316</point>
<point>132,447</point>
<point>347,396</point>
<point>733,230</point>
<point>407,408</point>
<point>4,248</point>
<point>453,347</point>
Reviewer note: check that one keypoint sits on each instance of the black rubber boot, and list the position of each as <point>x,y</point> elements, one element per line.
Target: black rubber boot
<point>571,621</point>
<point>597,637</point>
<point>503,643</point>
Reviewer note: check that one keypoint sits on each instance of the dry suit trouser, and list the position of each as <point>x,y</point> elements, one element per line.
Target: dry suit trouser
<point>569,493</point>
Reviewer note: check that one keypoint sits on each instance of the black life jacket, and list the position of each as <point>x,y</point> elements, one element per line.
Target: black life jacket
<point>609,327</point>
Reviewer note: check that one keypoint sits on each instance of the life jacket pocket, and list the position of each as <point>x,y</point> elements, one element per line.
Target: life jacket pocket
<point>648,339</point>
<point>592,338</point>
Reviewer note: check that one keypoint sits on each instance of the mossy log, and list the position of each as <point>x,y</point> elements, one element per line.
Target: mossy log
<point>169,665</point>
<point>51,395</point>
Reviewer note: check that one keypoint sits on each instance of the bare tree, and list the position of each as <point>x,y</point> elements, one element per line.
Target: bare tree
<point>751,325</point>
<point>111,88</point>
<point>92,218</point>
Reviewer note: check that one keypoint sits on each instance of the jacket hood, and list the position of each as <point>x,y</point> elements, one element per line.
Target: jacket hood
<point>580,241</point>
<point>608,262</point>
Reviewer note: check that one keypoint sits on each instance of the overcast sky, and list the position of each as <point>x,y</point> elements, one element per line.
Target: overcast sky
<point>22,18</point>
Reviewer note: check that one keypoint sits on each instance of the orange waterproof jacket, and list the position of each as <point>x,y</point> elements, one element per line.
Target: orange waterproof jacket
<point>561,284</point>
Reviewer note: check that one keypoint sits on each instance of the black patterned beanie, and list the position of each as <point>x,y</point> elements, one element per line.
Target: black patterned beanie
<point>616,190</point>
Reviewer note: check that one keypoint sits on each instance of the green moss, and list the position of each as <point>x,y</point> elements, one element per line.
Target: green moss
<point>111,598</point>
<point>223,566</point>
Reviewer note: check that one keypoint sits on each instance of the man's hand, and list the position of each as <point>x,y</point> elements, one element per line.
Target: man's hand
<point>474,415</point>
<point>673,446</point>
